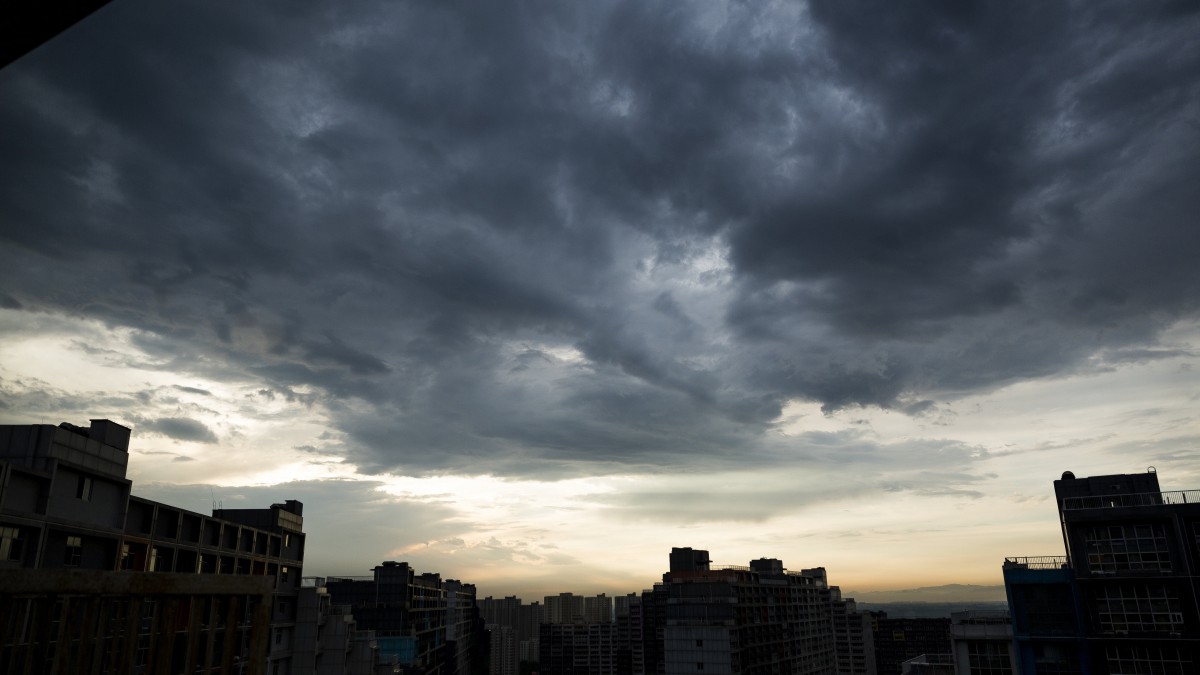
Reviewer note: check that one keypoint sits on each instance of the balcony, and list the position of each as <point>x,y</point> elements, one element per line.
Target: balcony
<point>1172,498</point>
<point>1040,562</point>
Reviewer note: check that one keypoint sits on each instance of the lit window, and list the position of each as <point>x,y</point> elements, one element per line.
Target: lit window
<point>83,488</point>
<point>74,552</point>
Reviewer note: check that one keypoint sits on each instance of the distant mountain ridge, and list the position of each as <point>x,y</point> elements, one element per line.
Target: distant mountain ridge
<point>952,593</point>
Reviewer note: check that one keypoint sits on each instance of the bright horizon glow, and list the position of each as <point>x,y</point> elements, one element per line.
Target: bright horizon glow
<point>535,538</point>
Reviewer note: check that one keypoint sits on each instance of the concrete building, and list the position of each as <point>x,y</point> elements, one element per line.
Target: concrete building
<point>900,640</point>
<point>564,608</point>
<point>524,620</point>
<point>578,649</point>
<point>630,621</point>
<point>328,641</point>
<point>429,626</point>
<point>756,620</point>
<point>65,505</point>
<point>981,642</point>
<point>503,650</point>
<point>598,609</point>
<point>854,644</point>
<point>1123,599</point>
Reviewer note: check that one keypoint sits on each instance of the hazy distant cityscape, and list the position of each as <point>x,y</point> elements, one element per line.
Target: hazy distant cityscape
<point>96,579</point>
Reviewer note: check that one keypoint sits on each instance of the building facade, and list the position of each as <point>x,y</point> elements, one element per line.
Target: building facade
<point>755,620</point>
<point>901,639</point>
<point>1123,599</point>
<point>981,642</point>
<point>66,507</point>
<point>429,626</point>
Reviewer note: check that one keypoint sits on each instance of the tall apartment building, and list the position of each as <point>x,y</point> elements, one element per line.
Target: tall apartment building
<point>854,644</point>
<point>755,620</point>
<point>328,641</point>
<point>73,540</point>
<point>578,649</point>
<point>502,644</point>
<point>630,621</point>
<point>598,609</point>
<point>524,620</point>
<point>428,625</point>
<point>1123,599</point>
<point>564,608</point>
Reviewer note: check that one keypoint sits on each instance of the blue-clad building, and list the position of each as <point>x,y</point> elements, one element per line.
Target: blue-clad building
<point>1124,598</point>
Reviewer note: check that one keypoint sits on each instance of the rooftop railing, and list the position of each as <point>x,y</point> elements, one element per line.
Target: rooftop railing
<point>1131,500</point>
<point>1038,562</point>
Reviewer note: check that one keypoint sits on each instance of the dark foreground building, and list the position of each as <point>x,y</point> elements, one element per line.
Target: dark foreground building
<point>755,620</point>
<point>429,626</point>
<point>95,580</point>
<point>1123,599</point>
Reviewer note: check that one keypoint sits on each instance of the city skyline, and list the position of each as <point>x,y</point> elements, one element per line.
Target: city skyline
<point>531,293</point>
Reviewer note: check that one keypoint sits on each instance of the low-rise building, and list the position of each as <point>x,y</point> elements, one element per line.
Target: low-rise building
<point>67,513</point>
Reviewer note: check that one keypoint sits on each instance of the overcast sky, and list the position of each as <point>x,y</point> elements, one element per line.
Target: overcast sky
<point>529,292</point>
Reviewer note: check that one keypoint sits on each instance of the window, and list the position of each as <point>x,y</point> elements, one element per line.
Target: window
<point>699,643</point>
<point>287,540</point>
<point>10,543</point>
<point>1114,548</point>
<point>283,573</point>
<point>1138,608</point>
<point>988,658</point>
<point>83,488</point>
<point>1136,660</point>
<point>74,552</point>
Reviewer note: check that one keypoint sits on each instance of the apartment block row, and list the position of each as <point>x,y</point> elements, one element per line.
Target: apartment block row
<point>94,579</point>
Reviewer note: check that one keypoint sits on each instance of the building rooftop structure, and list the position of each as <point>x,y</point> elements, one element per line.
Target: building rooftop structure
<point>1123,598</point>
<point>67,513</point>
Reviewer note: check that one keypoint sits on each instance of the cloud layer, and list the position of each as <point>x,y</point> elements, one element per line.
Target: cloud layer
<point>543,239</point>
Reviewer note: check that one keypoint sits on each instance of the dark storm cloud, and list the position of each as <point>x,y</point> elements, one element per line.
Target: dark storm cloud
<point>9,302</point>
<point>179,428</point>
<point>541,238</point>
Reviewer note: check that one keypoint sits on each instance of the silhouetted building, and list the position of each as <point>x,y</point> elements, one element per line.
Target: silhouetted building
<point>630,621</point>
<point>66,515</point>
<point>899,640</point>
<point>524,620</point>
<point>503,650</point>
<point>327,640</point>
<point>578,649</point>
<point>427,625</point>
<point>1123,599</point>
<point>756,620</point>
<point>854,646</point>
